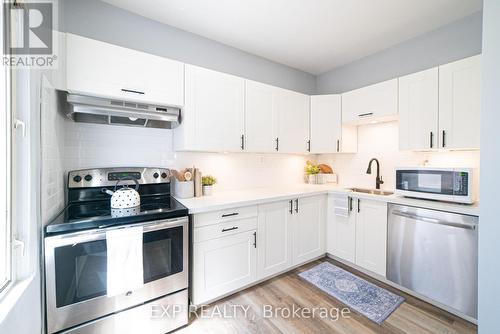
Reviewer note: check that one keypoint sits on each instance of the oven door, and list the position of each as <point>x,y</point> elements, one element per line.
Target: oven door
<point>75,272</point>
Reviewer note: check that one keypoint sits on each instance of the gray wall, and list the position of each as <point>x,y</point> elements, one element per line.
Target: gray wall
<point>457,40</point>
<point>489,232</point>
<point>101,21</point>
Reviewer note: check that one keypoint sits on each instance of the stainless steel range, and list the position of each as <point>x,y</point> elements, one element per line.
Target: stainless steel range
<point>77,262</point>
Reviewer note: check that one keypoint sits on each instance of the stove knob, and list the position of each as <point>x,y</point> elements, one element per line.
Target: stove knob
<point>88,178</point>
<point>77,178</point>
<point>164,175</point>
<point>156,175</point>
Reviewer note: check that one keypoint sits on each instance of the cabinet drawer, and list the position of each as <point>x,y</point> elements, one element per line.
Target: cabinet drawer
<point>216,217</point>
<point>223,229</point>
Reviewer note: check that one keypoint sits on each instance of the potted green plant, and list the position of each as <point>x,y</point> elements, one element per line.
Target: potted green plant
<point>312,172</point>
<point>208,184</point>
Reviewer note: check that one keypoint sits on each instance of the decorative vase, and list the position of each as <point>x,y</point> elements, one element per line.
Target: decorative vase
<point>208,190</point>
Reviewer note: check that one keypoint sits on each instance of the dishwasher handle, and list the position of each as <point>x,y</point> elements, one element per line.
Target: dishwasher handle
<point>433,220</point>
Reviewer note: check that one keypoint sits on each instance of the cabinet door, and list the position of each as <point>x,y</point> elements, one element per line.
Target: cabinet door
<point>261,117</point>
<point>223,265</point>
<point>371,236</point>
<point>375,102</point>
<point>216,100</point>
<point>344,234</point>
<point>274,239</point>
<point>326,123</point>
<point>101,69</point>
<point>418,110</point>
<point>293,122</point>
<point>309,228</point>
<point>460,104</point>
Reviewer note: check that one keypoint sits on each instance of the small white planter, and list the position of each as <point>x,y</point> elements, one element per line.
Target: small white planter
<point>208,190</point>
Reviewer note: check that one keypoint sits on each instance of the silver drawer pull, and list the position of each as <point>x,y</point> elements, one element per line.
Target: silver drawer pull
<point>229,229</point>
<point>433,220</point>
<point>230,214</point>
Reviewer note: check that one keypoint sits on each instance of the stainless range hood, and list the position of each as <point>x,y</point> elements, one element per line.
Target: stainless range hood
<point>89,109</point>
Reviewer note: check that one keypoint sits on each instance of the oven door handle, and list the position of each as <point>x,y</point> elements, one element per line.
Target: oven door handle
<point>100,233</point>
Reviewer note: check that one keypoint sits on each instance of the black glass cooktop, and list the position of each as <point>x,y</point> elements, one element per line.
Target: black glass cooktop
<point>99,214</point>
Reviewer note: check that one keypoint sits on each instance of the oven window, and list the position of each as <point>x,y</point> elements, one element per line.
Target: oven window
<point>81,269</point>
<point>162,253</point>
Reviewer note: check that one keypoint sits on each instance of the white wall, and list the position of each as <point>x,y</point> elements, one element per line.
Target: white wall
<point>381,141</point>
<point>489,231</point>
<point>457,40</point>
<point>94,145</point>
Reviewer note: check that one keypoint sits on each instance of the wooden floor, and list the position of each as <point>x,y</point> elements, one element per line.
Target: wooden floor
<point>287,290</point>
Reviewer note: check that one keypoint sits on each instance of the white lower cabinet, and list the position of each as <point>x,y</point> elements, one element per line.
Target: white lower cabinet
<point>360,238</point>
<point>341,237</point>
<point>223,265</point>
<point>371,236</point>
<point>237,247</point>
<point>309,228</point>
<point>274,238</point>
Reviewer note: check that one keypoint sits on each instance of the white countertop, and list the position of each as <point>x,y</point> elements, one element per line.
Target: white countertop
<point>229,199</point>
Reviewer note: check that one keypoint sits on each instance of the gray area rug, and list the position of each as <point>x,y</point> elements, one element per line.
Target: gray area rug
<point>372,301</point>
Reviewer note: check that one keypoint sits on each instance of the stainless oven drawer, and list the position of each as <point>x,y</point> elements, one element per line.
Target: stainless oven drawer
<point>157,317</point>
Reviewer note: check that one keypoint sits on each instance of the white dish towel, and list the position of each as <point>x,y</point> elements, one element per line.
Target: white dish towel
<point>341,205</point>
<point>125,262</point>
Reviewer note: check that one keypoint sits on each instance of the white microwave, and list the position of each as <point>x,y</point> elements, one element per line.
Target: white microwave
<point>442,184</point>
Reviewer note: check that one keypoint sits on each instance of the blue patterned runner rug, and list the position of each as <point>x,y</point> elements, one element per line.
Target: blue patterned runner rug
<point>372,301</point>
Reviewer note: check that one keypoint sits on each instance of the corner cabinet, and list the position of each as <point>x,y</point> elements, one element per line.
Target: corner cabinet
<point>213,116</point>
<point>440,108</point>
<point>110,71</point>
<point>327,133</point>
<point>378,102</point>
<point>361,236</point>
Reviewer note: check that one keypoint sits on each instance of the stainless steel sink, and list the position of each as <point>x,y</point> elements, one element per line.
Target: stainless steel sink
<point>372,191</point>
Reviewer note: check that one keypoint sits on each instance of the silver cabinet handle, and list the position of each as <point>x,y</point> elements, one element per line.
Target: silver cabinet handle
<point>297,205</point>
<point>291,207</point>
<point>433,220</point>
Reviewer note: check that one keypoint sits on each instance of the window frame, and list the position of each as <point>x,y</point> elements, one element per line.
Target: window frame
<point>6,94</point>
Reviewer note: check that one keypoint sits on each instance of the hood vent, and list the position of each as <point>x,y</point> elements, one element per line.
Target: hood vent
<point>89,109</point>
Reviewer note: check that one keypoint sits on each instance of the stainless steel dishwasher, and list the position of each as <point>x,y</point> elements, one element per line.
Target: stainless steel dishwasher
<point>434,253</point>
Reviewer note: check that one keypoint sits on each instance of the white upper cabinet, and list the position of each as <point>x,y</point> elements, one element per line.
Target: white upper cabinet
<point>106,70</point>
<point>460,104</point>
<point>293,122</point>
<point>418,110</point>
<point>261,117</point>
<point>327,133</point>
<point>326,123</point>
<point>213,115</point>
<point>378,102</point>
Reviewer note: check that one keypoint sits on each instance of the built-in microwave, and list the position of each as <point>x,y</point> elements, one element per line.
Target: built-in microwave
<point>443,184</point>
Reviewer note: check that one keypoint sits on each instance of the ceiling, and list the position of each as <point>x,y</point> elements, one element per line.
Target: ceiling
<point>310,35</point>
